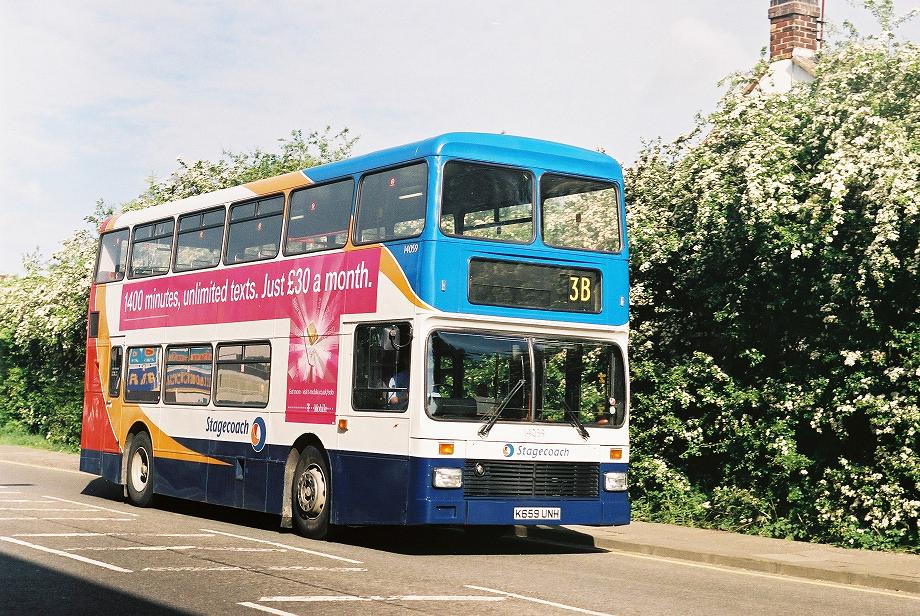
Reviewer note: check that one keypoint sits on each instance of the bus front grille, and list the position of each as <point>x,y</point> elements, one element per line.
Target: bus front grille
<point>500,478</point>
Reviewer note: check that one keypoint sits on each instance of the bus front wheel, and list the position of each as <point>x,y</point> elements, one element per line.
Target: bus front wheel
<point>311,494</point>
<point>140,470</point>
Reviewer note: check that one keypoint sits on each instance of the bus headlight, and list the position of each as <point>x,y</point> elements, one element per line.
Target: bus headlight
<point>447,477</point>
<point>614,482</point>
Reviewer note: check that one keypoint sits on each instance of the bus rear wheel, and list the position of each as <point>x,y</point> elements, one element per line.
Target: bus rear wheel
<point>311,494</point>
<point>140,470</point>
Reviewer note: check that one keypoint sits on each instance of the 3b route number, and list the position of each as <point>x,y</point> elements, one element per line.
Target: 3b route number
<point>580,289</point>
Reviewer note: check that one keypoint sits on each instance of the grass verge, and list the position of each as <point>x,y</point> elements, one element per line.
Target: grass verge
<point>13,434</point>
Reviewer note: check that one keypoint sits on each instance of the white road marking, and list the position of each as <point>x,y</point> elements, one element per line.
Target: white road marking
<point>156,548</point>
<point>64,500</point>
<point>94,519</point>
<point>82,559</point>
<point>265,608</point>
<point>141,548</point>
<point>771,576</point>
<point>42,509</point>
<point>60,534</point>
<point>289,547</point>
<point>18,500</point>
<point>32,517</point>
<point>113,534</point>
<point>353,598</point>
<point>266,568</point>
<point>44,468</point>
<point>561,606</point>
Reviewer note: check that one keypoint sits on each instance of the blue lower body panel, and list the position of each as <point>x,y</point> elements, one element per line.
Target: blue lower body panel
<point>107,465</point>
<point>430,505</point>
<point>369,488</point>
<point>243,483</point>
<point>366,489</point>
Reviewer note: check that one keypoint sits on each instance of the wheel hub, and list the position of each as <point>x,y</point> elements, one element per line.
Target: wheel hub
<point>140,469</point>
<point>311,491</point>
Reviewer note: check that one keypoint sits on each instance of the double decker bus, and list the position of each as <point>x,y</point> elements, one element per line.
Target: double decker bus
<point>430,334</point>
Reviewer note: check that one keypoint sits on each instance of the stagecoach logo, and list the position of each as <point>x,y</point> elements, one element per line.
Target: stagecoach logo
<point>534,453</point>
<point>258,434</point>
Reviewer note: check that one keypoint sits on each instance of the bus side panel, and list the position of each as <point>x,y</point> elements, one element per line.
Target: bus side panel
<point>180,478</point>
<point>369,488</point>
<point>243,480</point>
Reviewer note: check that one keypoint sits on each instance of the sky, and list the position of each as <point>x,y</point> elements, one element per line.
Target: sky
<point>96,97</point>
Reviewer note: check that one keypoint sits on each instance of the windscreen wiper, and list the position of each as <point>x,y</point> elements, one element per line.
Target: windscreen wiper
<point>575,421</point>
<point>496,413</point>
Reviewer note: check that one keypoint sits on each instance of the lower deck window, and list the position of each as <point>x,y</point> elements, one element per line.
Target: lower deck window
<point>143,382</point>
<point>381,373</point>
<point>188,375</point>
<point>243,374</point>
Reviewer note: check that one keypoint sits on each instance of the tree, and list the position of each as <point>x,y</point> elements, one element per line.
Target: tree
<point>776,352</point>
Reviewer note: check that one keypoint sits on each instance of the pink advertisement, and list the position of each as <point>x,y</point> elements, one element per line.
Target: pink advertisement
<point>313,292</point>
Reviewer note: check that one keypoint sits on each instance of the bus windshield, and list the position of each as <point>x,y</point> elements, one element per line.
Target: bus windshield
<point>470,374</point>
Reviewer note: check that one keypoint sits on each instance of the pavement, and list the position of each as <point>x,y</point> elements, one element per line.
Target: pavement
<point>881,570</point>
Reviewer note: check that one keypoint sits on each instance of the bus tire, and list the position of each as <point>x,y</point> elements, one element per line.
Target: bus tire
<point>311,494</point>
<point>139,476</point>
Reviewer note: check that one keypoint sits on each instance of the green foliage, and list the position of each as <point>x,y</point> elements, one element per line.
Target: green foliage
<point>43,312</point>
<point>776,352</point>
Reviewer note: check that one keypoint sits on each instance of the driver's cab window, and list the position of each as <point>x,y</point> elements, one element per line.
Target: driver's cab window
<point>381,371</point>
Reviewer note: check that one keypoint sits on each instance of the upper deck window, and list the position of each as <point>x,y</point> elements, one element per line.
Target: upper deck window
<point>113,256</point>
<point>255,230</point>
<point>392,204</point>
<point>318,217</point>
<point>199,240</point>
<point>151,248</point>
<point>580,213</point>
<point>488,202</point>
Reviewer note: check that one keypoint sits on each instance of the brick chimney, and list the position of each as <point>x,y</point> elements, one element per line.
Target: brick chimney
<point>793,25</point>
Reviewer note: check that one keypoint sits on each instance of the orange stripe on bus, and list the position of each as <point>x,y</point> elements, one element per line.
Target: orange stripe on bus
<point>294,179</point>
<point>391,269</point>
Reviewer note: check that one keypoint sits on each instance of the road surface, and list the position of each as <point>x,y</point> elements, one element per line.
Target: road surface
<point>70,544</point>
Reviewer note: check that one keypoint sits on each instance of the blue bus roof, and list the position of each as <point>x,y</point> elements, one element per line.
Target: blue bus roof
<point>503,149</point>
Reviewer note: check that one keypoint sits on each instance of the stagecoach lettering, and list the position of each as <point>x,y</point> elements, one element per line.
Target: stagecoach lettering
<point>229,427</point>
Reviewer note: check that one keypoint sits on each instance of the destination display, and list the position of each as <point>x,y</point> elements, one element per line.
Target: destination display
<point>531,285</point>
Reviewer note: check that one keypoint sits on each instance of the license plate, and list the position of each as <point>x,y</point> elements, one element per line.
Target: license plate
<point>537,513</point>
